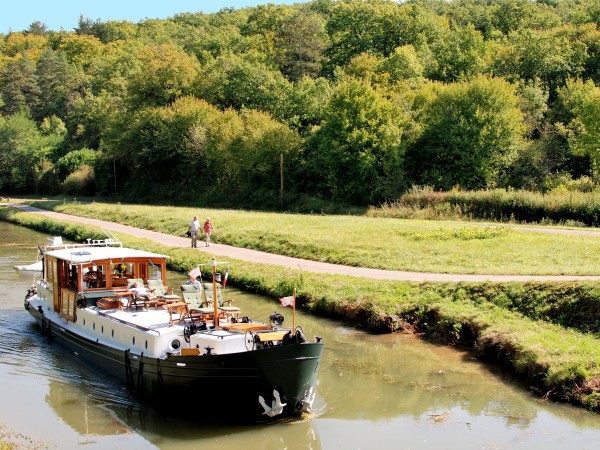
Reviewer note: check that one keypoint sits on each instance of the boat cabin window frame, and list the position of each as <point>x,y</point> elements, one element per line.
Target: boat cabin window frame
<point>67,278</point>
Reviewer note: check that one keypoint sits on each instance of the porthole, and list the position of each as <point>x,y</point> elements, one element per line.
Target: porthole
<point>133,340</point>
<point>94,326</point>
<point>175,344</point>
<point>112,333</point>
<point>102,330</point>
<point>84,322</point>
<point>146,345</point>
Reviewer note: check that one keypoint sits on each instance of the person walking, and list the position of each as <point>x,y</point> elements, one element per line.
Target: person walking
<point>194,228</point>
<point>208,229</point>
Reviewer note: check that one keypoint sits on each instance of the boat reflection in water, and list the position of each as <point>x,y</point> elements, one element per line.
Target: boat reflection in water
<point>86,416</point>
<point>96,415</point>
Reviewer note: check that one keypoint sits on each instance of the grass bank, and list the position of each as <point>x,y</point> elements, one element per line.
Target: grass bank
<point>543,332</point>
<point>382,243</point>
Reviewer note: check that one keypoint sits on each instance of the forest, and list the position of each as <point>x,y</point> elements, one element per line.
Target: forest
<point>345,101</point>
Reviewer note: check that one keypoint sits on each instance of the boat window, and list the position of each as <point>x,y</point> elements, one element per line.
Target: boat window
<point>120,272</point>
<point>50,270</point>
<point>101,276</point>
<point>94,277</point>
<point>73,277</point>
<point>175,344</point>
<point>133,340</point>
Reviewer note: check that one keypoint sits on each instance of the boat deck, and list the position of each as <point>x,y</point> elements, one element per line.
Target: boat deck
<point>153,319</point>
<point>158,320</point>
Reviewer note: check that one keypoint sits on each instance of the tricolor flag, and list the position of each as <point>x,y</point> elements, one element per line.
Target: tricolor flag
<point>226,275</point>
<point>287,301</point>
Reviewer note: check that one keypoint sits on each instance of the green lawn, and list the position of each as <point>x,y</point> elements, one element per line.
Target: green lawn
<point>384,243</point>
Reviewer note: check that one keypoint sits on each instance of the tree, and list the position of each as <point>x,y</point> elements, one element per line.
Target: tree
<point>243,151</point>
<point>583,100</point>
<point>85,26</point>
<point>307,103</point>
<point>301,43</point>
<point>22,150</point>
<point>551,56</point>
<point>59,83</point>
<point>155,151</point>
<point>356,155</point>
<point>79,50</point>
<point>403,64</point>
<point>363,67</point>
<point>164,74</point>
<point>461,55</point>
<point>352,28</point>
<point>73,161</point>
<point>19,86</point>
<point>112,30</point>
<point>471,132</point>
<point>17,43</point>
<point>38,28</point>
<point>233,82</point>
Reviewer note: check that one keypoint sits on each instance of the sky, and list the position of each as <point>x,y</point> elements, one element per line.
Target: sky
<point>17,15</point>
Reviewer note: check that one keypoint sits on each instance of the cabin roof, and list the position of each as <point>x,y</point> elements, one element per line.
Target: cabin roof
<point>89,254</point>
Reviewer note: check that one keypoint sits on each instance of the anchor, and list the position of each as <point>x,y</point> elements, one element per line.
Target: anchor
<point>276,407</point>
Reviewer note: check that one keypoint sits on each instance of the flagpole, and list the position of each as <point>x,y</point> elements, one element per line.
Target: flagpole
<point>294,313</point>
<point>215,299</point>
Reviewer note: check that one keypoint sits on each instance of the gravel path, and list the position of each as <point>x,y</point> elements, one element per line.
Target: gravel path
<point>244,254</point>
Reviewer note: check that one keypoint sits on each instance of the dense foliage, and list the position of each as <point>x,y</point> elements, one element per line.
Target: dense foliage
<point>352,101</point>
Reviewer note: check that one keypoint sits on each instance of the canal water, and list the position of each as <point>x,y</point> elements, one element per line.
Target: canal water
<point>374,391</point>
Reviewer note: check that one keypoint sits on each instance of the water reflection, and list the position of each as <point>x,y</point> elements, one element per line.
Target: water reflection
<point>80,412</point>
<point>86,410</point>
<point>374,391</point>
<point>91,415</point>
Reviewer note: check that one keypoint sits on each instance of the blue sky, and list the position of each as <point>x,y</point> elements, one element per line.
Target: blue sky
<point>17,15</point>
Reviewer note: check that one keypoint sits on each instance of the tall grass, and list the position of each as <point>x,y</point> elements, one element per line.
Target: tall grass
<point>571,208</point>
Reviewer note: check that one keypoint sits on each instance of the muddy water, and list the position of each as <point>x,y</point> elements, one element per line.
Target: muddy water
<point>374,392</point>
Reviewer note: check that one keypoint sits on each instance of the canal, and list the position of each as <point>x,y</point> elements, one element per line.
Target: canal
<point>391,391</point>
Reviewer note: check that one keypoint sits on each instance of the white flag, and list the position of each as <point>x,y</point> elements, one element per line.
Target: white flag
<point>287,301</point>
<point>195,272</point>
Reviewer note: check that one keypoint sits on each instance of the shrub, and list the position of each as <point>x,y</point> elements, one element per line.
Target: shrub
<point>80,182</point>
<point>572,204</point>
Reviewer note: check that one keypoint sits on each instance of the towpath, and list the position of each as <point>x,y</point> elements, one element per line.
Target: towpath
<point>244,254</point>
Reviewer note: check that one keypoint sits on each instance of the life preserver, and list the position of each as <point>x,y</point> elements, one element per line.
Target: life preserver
<point>249,340</point>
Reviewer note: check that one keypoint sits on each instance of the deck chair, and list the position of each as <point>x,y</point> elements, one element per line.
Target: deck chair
<point>132,281</point>
<point>162,291</point>
<point>198,309</point>
<point>224,305</point>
